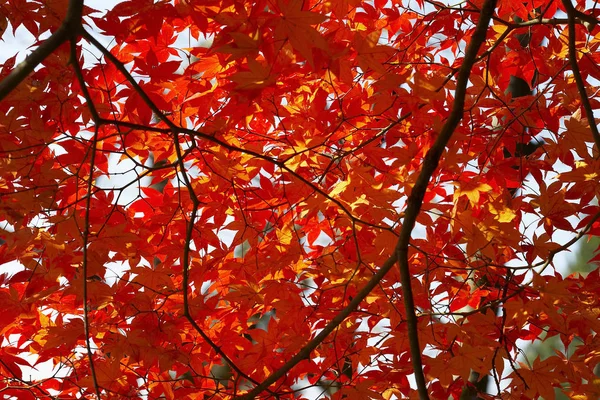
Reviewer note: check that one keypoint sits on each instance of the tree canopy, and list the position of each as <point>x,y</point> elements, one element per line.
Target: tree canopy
<point>268,199</point>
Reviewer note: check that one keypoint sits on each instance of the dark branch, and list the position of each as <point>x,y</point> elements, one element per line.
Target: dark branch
<point>415,199</point>
<point>68,29</point>
<point>585,101</point>
<point>88,199</point>
<point>414,206</point>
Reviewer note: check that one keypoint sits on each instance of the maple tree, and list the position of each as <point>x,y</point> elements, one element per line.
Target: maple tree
<point>337,195</point>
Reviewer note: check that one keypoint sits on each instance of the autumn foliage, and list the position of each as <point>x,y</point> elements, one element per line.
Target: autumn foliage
<point>272,199</point>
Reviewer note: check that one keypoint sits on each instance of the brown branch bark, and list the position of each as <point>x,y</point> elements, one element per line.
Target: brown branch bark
<point>413,209</point>
<point>88,199</point>
<point>172,127</point>
<point>415,199</point>
<point>68,29</point>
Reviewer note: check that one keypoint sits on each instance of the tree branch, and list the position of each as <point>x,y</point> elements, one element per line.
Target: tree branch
<point>68,29</point>
<point>304,353</point>
<point>572,13</point>
<point>414,206</point>
<point>415,199</point>
<point>172,127</point>
<point>86,241</point>
<point>88,199</point>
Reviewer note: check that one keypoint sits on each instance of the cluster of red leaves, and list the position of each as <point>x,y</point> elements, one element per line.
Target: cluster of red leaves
<point>271,163</point>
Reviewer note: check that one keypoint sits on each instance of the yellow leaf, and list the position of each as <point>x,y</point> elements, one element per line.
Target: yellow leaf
<point>389,392</point>
<point>499,29</point>
<point>340,187</point>
<point>504,214</point>
<point>472,190</point>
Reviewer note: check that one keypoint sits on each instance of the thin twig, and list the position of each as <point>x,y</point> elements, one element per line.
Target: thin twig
<point>88,200</point>
<point>186,264</point>
<point>68,31</point>
<point>172,127</point>
<point>553,253</point>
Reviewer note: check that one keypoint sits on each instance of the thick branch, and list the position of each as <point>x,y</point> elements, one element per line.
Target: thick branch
<point>415,199</point>
<point>69,28</point>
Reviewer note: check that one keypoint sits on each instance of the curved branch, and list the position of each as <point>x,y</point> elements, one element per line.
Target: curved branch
<point>575,239</point>
<point>186,260</point>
